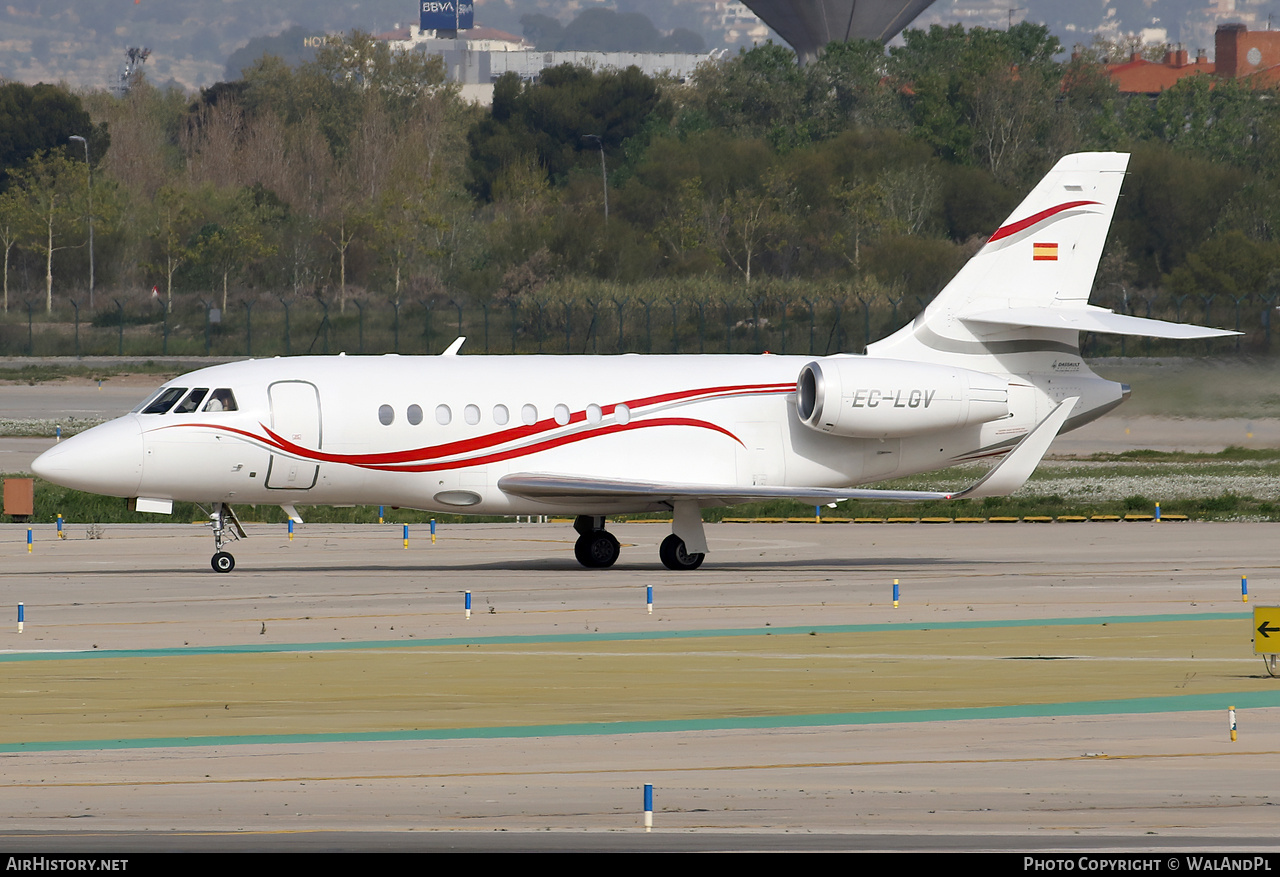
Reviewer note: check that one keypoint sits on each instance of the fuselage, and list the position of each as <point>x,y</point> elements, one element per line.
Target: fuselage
<point>438,432</point>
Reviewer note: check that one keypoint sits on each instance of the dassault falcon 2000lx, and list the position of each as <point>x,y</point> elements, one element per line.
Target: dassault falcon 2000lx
<point>991,368</point>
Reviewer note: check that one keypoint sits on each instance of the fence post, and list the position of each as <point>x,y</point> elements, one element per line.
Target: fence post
<point>286,324</point>
<point>248,328</point>
<point>620,305</point>
<point>395,326</point>
<point>359,325</point>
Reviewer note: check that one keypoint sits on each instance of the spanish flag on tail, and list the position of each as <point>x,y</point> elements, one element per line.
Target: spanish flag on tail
<point>1044,252</point>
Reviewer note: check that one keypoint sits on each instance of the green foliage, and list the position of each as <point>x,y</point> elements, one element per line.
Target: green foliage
<point>1171,204</point>
<point>1229,265</point>
<point>40,118</point>
<point>554,119</point>
<point>859,181</point>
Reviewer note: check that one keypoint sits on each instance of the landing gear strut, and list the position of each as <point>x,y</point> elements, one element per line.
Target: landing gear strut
<point>596,547</point>
<point>226,528</point>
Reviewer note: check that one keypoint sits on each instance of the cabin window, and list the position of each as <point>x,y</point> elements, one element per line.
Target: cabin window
<point>443,415</point>
<point>221,399</point>
<point>501,415</point>
<point>386,414</point>
<point>594,414</point>
<point>192,402</point>
<point>472,414</point>
<point>414,414</point>
<point>562,414</point>
<point>529,414</point>
<point>622,414</point>
<point>165,400</point>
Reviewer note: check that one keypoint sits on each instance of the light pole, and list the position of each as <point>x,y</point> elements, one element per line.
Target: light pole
<point>89,169</point>
<point>604,174</point>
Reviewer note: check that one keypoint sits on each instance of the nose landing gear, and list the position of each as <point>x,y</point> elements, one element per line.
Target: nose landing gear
<point>226,528</point>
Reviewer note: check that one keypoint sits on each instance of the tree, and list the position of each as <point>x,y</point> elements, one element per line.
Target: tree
<point>50,189</point>
<point>237,238</point>
<point>11,217</point>
<point>983,96</point>
<point>549,120</point>
<point>40,118</point>
<point>759,93</point>
<point>752,220</point>
<point>850,88</point>
<point>1230,265</point>
<point>174,220</point>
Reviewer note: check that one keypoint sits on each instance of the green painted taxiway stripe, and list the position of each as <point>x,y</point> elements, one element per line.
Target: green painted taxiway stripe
<point>1141,705</point>
<point>623,636</point>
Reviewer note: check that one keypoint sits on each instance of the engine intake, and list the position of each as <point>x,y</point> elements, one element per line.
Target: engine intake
<point>882,398</point>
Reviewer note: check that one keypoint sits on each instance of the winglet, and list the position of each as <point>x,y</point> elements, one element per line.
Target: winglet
<point>1013,471</point>
<point>452,349</point>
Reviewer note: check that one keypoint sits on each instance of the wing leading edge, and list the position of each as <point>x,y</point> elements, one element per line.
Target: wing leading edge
<point>1002,479</point>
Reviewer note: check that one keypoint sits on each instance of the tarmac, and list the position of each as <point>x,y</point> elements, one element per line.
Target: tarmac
<point>1053,687</point>
<point>1037,687</point>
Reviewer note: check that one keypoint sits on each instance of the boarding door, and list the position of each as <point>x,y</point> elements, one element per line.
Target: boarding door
<point>295,417</point>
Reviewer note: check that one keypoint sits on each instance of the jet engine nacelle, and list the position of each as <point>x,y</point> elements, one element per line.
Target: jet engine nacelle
<point>880,398</point>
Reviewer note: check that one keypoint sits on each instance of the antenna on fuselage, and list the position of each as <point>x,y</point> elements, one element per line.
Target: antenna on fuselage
<point>452,349</point>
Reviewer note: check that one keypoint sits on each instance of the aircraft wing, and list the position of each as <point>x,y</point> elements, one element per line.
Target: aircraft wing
<point>1002,479</point>
<point>570,489</point>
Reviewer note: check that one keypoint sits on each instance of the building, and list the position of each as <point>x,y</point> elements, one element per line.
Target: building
<point>1239,53</point>
<point>478,56</point>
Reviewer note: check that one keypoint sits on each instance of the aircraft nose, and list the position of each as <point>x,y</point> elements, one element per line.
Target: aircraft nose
<point>106,459</point>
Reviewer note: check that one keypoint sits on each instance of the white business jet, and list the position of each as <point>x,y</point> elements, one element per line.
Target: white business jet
<point>991,368</point>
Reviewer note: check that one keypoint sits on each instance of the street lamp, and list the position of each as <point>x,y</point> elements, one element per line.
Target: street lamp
<point>604,174</point>
<point>89,169</point>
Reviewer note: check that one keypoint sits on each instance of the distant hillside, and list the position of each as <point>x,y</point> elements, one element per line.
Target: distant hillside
<point>192,42</point>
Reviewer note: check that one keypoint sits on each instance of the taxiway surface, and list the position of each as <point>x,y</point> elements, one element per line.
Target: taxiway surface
<point>1057,686</point>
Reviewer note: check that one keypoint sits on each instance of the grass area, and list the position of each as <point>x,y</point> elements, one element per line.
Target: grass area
<point>1209,387</point>
<point>40,374</point>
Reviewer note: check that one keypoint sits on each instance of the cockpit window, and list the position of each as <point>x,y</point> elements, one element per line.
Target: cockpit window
<point>137,409</point>
<point>221,399</point>
<point>165,400</point>
<point>192,402</point>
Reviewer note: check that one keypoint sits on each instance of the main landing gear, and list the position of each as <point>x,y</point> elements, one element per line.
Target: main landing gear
<point>596,547</point>
<point>226,528</point>
<point>684,549</point>
<point>674,555</point>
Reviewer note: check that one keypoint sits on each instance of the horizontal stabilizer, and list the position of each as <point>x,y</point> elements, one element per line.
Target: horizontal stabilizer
<point>1092,319</point>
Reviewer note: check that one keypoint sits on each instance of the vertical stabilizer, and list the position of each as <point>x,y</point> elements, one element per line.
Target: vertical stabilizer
<point>1044,256</point>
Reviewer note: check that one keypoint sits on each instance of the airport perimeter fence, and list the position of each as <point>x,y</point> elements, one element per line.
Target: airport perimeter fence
<point>278,326</point>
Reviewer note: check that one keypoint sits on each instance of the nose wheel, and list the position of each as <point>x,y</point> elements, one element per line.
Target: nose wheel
<point>226,528</point>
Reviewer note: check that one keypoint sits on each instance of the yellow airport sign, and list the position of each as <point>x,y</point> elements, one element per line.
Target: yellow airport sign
<point>1266,630</point>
